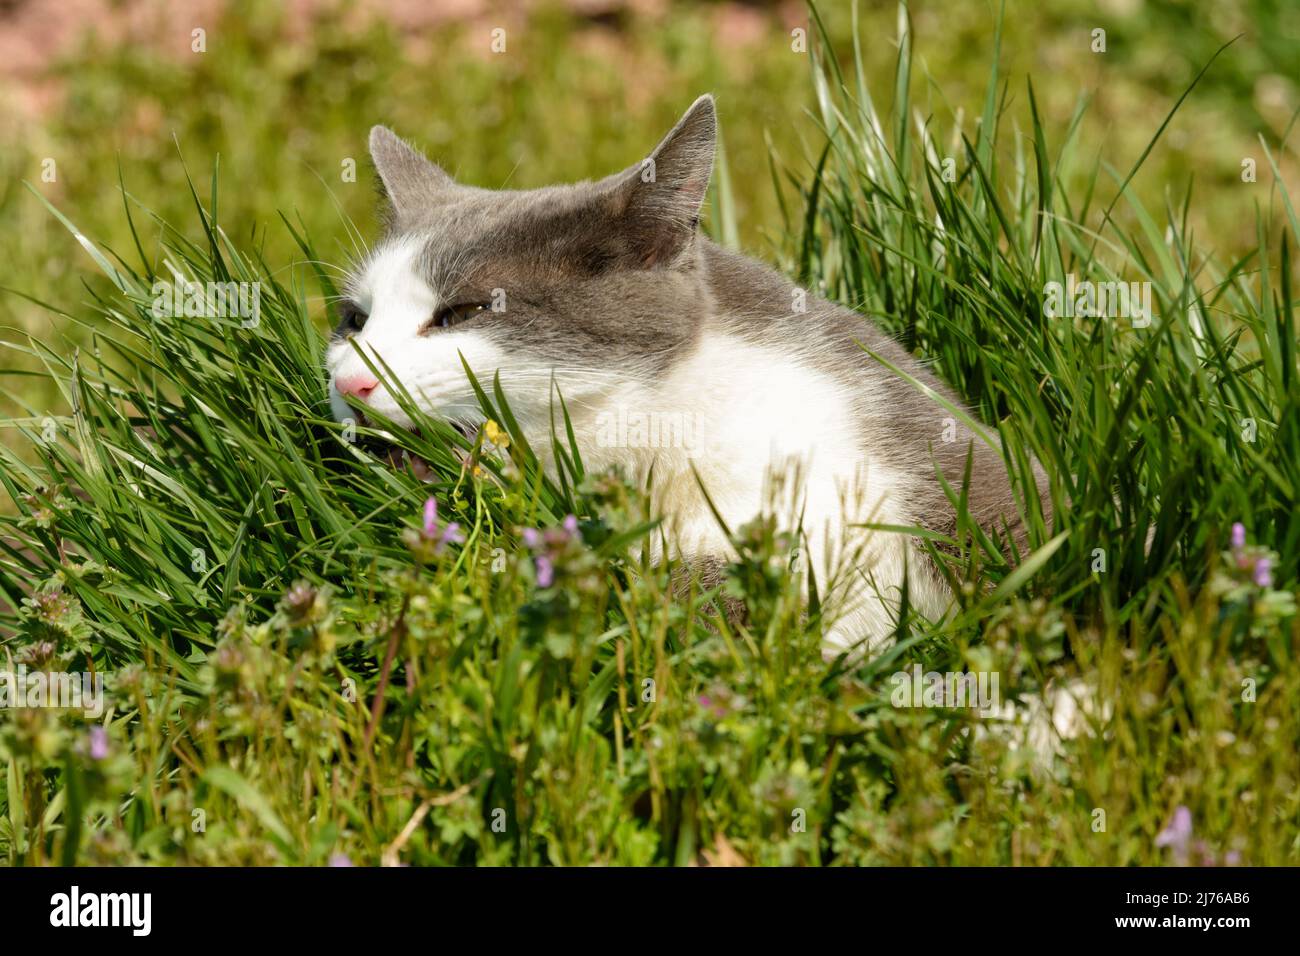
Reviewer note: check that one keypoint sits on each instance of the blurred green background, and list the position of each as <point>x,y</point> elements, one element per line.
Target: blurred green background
<point>284,94</point>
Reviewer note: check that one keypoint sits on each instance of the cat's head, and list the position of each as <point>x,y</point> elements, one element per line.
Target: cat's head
<point>597,284</point>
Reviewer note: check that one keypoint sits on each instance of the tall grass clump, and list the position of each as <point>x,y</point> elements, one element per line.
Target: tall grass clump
<point>314,654</point>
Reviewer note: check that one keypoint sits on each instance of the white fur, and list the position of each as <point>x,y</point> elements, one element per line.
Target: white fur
<point>398,303</point>
<point>777,435</point>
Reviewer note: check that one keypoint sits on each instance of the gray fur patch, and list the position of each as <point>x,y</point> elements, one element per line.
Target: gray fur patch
<point>613,276</point>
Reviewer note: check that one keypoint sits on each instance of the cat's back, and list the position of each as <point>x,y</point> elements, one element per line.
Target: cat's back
<point>759,305</point>
<point>896,420</point>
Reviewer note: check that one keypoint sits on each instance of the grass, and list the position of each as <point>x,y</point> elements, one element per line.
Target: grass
<point>284,107</point>
<point>298,673</point>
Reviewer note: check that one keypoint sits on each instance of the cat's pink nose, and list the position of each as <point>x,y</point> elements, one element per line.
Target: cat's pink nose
<point>359,385</point>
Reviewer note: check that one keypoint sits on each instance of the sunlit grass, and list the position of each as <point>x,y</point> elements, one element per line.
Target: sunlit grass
<point>302,670</point>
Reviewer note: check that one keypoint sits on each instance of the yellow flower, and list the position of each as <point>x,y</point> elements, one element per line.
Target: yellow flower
<point>496,435</point>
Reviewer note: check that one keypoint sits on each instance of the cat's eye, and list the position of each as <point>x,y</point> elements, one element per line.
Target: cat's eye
<point>352,320</point>
<point>450,315</point>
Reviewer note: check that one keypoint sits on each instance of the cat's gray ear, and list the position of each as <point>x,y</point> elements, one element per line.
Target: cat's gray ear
<point>658,200</point>
<point>410,181</point>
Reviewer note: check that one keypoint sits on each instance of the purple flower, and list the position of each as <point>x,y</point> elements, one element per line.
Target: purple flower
<point>1178,834</point>
<point>1264,573</point>
<point>98,743</point>
<point>1238,536</point>
<point>545,572</point>
<point>341,859</point>
<point>550,547</point>
<point>716,708</point>
<point>448,535</point>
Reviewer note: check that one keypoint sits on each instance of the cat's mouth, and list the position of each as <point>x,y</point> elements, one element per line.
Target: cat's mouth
<point>400,458</point>
<point>468,430</point>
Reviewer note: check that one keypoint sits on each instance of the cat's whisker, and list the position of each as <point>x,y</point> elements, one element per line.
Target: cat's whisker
<point>674,356</point>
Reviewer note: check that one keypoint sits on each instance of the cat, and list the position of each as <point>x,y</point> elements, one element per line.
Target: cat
<point>608,294</point>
